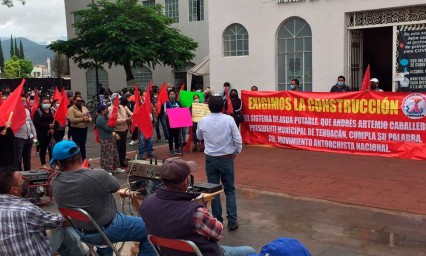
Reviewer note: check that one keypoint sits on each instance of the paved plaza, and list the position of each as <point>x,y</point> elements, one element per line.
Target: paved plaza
<point>336,204</point>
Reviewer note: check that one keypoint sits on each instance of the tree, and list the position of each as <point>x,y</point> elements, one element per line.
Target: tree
<point>21,50</point>
<point>128,34</point>
<point>12,49</point>
<point>1,59</point>
<point>60,65</point>
<point>17,53</point>
<point>16,67</point>
<point>9,3</point>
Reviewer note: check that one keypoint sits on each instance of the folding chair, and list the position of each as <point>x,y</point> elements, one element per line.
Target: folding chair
<point>72,215</point>
<point>174,244</point>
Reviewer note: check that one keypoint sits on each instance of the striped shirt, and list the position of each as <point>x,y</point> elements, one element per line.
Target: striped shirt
<point>23,226</point>
<point>206,225</point>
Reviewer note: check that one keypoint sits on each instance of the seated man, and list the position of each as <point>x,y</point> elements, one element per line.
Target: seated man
<point>23,224</point>
<point>91,190</point>
<point>172,213</point>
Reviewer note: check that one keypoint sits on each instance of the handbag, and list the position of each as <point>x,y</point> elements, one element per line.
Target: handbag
<point>238,116</point>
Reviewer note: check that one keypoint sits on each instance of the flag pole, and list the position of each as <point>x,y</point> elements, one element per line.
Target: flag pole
<point>7,127</point>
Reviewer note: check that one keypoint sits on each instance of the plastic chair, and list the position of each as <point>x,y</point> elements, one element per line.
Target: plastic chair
<point>76,214</point>
<point>174,244</point>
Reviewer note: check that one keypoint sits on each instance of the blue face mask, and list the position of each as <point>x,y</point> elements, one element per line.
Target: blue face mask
<point>106,113</point>
<point>292,87</point>
<point>25,104</point>
<point>340,84</point>
<point>45,106</point>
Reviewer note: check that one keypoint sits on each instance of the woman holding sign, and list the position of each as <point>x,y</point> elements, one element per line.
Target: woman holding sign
<point>173,132</point>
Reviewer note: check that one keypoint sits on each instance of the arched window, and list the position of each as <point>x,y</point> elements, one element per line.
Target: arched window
<point>91,81</point>
<point>294,54</point>
<point>142,76</point>
<point>235,41</point>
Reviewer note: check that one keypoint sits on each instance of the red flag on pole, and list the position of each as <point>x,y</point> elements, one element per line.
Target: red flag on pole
<point>1,99</point>
<point>162,96</point>
<point>35,103</point>
<point>65,98</point>
<point>13,110</point>
<point>230,109</point>
<point>366,80</point>
<point>142,119</point>
<point>181,89</point>
<point>61,113</point>
<point>85,164</point>
<point>137,105</point>
<point>112,121</point>
<point>57,95</point>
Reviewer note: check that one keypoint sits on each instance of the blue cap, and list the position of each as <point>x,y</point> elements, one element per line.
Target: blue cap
<point>284,247</point>
<point>63,150</point>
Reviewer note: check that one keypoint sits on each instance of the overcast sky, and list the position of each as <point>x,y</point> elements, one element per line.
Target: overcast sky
<point>37,20</point>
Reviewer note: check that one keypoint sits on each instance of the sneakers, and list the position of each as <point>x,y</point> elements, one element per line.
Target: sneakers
<point>172,152</point>
<point>118,170</point>
<point>133,142</point>
<point>178,152</point>
<point>233,226</point>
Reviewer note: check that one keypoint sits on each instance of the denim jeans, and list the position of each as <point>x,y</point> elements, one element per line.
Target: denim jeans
<point>222,170</point>
<point>22,153</point>
<point>148,143</point>
<point>66,242</point>
<point>123,228</point>
<point>237,251</point>
<point>161,120</point>
<point>79,136</point>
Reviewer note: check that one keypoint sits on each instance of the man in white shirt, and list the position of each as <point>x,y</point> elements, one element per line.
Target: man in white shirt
<point>223,143</point>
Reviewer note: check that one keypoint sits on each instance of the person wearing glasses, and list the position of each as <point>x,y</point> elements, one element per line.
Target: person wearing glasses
<point>79,118</point>
<point>23,224</point>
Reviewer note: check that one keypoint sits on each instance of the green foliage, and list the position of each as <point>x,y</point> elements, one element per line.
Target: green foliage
<point>17,53</point>
<point>12,49</point>
<point>16,67</point>
<point>128,34</point>
<point>1,59</point>
<point>21,50</point>
<point>9,3</point>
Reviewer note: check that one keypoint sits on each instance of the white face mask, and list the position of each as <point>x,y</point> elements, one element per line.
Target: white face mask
<point>57,105</point>
<point>197,100</point>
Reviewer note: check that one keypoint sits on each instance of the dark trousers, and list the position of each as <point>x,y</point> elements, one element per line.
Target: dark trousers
<point>44,140</point>
<point>174,134</point>
<point>59,135</point>
<point>161,120</point>
<point>121,146</point>
<point>221,170</point>
<point>135,134</point>
<point>22,153</point>
<point>79,136</point>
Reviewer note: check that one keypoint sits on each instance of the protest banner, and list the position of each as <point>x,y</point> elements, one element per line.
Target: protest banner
<point>365,123</point>
<point>199,110</point>
<point>187,98</point>
<point>179,117</point>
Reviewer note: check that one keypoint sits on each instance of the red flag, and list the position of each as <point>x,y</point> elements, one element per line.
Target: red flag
<point>13,110</point>
<point>230,109</point>
<point>65,98</point>
<point>147,100</point>
<point>162,96</point>
<point>35,103</point>
<point>62,111</point>
<point>112,121</point>
<point>28,105</point>
<point>1,99</point>
<point>366,80</point>
<point>137,98</point>
<point>189,142</point>
<point>181,89</point>
<point>142,119</point>
<point>57,95</point>
<point>85,164</point>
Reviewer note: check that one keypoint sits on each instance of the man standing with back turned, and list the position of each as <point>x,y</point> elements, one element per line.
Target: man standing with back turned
<point>223,143</point>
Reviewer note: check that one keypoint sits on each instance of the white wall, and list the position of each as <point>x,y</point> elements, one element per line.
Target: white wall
<point>262,20</point>
<point>198,30</point>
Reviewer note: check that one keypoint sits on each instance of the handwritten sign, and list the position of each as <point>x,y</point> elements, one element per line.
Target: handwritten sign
<point>199,110</point>
<point>179,117</point>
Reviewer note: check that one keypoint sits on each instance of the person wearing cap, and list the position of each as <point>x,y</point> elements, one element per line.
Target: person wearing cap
<point>171,212</point>
<point>284,247</point>
<point>223,142</point>
<point>340,86</point>
<point>123,120</point>
<point>109,154</point>
<point>374,85</point>
<point>74,186</point>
